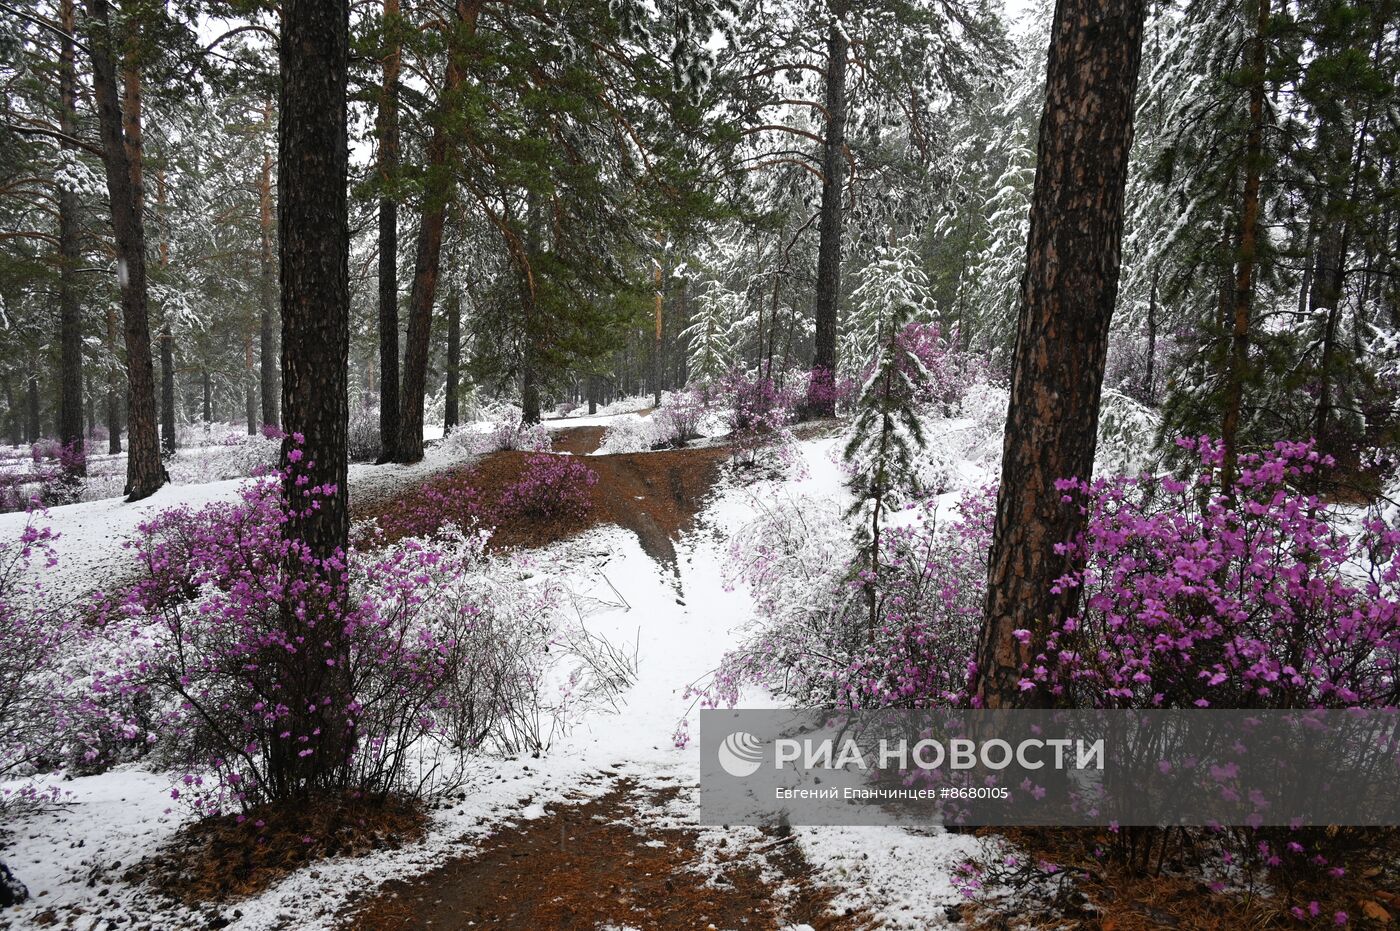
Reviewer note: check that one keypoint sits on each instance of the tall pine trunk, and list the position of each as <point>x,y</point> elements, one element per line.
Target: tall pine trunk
<point>313,222</point>
<point>389,248</point>
<point>1237,371</point>
<point>437,192</point>
<point>70,326</point>
<point>144,471</point>
<point>821,402</point>
<point>1067,298</point>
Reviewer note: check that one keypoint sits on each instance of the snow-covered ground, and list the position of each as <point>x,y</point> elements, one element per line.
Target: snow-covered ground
<point>682,621</point>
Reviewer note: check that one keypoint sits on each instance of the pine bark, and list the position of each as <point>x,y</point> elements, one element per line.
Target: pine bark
<point>437,193</point>
<point>830,226</point>
<point>144,472</point>
<point>389,250</point>
<point>1068,293</point>
<point>314,254</point>
<point>70,404</point>
<point>313,220</point>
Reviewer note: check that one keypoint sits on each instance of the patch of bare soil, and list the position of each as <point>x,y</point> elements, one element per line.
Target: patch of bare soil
<point>227,858</point>
<point>656,495</point>
<point>578,440</point>
<point>588,866</point>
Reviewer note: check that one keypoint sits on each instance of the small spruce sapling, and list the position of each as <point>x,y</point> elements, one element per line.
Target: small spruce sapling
<point>885,437</point>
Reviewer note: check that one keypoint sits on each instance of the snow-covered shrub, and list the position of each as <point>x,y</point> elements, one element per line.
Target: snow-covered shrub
<point>513,435</point>
<point>493,622</point>
<point>812,641</point>
<point>362,434</point>
<point>212,636</point>
<point>237,455</point>
<point>462,441</point>
<point>1127,434</point>
<point>630,405</point>
<point>631,434</point>
<point>1190,597</point>
<point>681,416</point>
<point>550,487</point>
<point>36,716</point>
<point>983,408</point>
<point>758,415</point>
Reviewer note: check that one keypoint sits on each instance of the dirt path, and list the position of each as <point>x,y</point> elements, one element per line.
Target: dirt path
<point>656,495</point>
<point>617,860</point>
<point>597,864</point>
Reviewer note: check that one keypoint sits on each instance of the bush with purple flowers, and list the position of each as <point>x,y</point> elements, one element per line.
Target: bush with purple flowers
<point>759,413</point>
<point>550,487</point>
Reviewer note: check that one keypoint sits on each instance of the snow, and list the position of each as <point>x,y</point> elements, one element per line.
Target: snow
<point>682,620</point>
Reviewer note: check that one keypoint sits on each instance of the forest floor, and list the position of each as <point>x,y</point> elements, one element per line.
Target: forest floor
<point>601,830</point>
<point>616,860</point>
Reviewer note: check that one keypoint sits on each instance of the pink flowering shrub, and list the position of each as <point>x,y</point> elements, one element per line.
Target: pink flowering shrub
<point>550,487</point>
<point>1196,598</point>
<point>759,413</point>
<point>680,416</point>
<point>1190,598</point>
<point>820,391</point>
<point>814,644</point>
<point>210,640</point>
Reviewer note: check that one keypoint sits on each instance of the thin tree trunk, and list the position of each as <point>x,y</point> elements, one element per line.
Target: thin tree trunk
<point>454,360</point>
<point>32,429</point>
<point>70,404</point>
<point>1149,390</point>
<point>250,397</point>
<point>167,392</point>
<point>1330,274</point>
<point>436,195</point>
<point>1067,298</point>
<point>144,471</point>
<point>167,339</point>
<point>1237,372</point>
<point>389,249</point>
<point>820,403</point>
<point>14,419</point>
<point>113,400</point>
<point>269,375</point>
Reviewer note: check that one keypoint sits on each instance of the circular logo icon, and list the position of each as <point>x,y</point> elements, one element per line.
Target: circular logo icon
<point>741,754</point>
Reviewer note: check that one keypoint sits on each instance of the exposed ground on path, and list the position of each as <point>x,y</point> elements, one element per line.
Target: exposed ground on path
<point>656,495</point>
<point>600,864</point>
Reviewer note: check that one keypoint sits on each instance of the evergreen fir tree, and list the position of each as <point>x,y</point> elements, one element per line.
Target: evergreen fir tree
<point>886,436</point>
